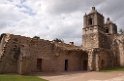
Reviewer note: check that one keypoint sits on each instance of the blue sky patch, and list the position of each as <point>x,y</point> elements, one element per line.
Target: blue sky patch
<point>27,10</point>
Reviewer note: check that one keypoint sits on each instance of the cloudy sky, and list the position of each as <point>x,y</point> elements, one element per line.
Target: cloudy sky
<point>51,19</point>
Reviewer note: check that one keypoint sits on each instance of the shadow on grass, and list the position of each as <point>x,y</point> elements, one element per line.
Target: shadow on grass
<point>113,69</point>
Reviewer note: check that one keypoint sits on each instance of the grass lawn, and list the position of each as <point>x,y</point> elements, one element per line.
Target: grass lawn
<point>113,69</point>
<point>7,77</point>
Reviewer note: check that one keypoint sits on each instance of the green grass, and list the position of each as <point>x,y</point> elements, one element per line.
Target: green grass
<point>4,77</point>
<point>113,69</point>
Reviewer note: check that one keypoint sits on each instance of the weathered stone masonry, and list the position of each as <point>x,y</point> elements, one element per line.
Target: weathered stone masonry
<point>102,48</point>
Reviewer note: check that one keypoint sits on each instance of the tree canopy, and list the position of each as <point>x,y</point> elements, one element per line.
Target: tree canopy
<point>121,31</point>
<point>58,40</point>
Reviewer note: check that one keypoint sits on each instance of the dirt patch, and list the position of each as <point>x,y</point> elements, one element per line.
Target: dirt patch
<point>83,76</point>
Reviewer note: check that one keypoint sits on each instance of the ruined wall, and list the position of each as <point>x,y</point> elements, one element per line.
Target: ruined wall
<point>22,53</point>
<point>9,60</point>
<point>104,59</point>
<point>24,60</point>
<point>53,57</point>
<point>74,58</point>
<point>4,38</point>
<point>99,58</point>
<point>41,49</point>
<point>118,49</point>
<point>112,52</point>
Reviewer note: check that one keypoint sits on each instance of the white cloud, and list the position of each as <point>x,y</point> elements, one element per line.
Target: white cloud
<point>51,19</point>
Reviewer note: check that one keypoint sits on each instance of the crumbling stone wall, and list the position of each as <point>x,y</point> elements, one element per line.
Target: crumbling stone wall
<point>118,49</point>
<point>3,41</point>
<point>42,49</point>
<point>9,60</point>
<point>75,61</point>
<point>53,56</point>
<point>99,58</point>
<point>21,55</point>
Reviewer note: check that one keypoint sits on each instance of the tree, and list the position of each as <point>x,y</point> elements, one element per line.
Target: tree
<point>121,31</point>
<point>58,40</point>
<point>37,37</point>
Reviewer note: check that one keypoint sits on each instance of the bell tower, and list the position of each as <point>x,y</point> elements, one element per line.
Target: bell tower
<point>93,26</point>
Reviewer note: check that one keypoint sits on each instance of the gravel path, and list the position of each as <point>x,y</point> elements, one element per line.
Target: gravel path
<point>83,76</point>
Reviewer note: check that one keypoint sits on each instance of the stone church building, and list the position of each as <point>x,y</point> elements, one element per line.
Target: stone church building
<point>102,48</point>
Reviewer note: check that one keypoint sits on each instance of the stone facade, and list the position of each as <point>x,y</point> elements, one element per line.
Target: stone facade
<point>102,48</point>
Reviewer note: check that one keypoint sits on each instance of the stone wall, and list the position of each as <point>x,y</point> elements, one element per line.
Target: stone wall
<point>99,58</point>
<point>22,54</point>
<point>105,41</point>
<point>53,56</point>
<point>118,48</point>
<point>9,61</point>
<point>90,40</point>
